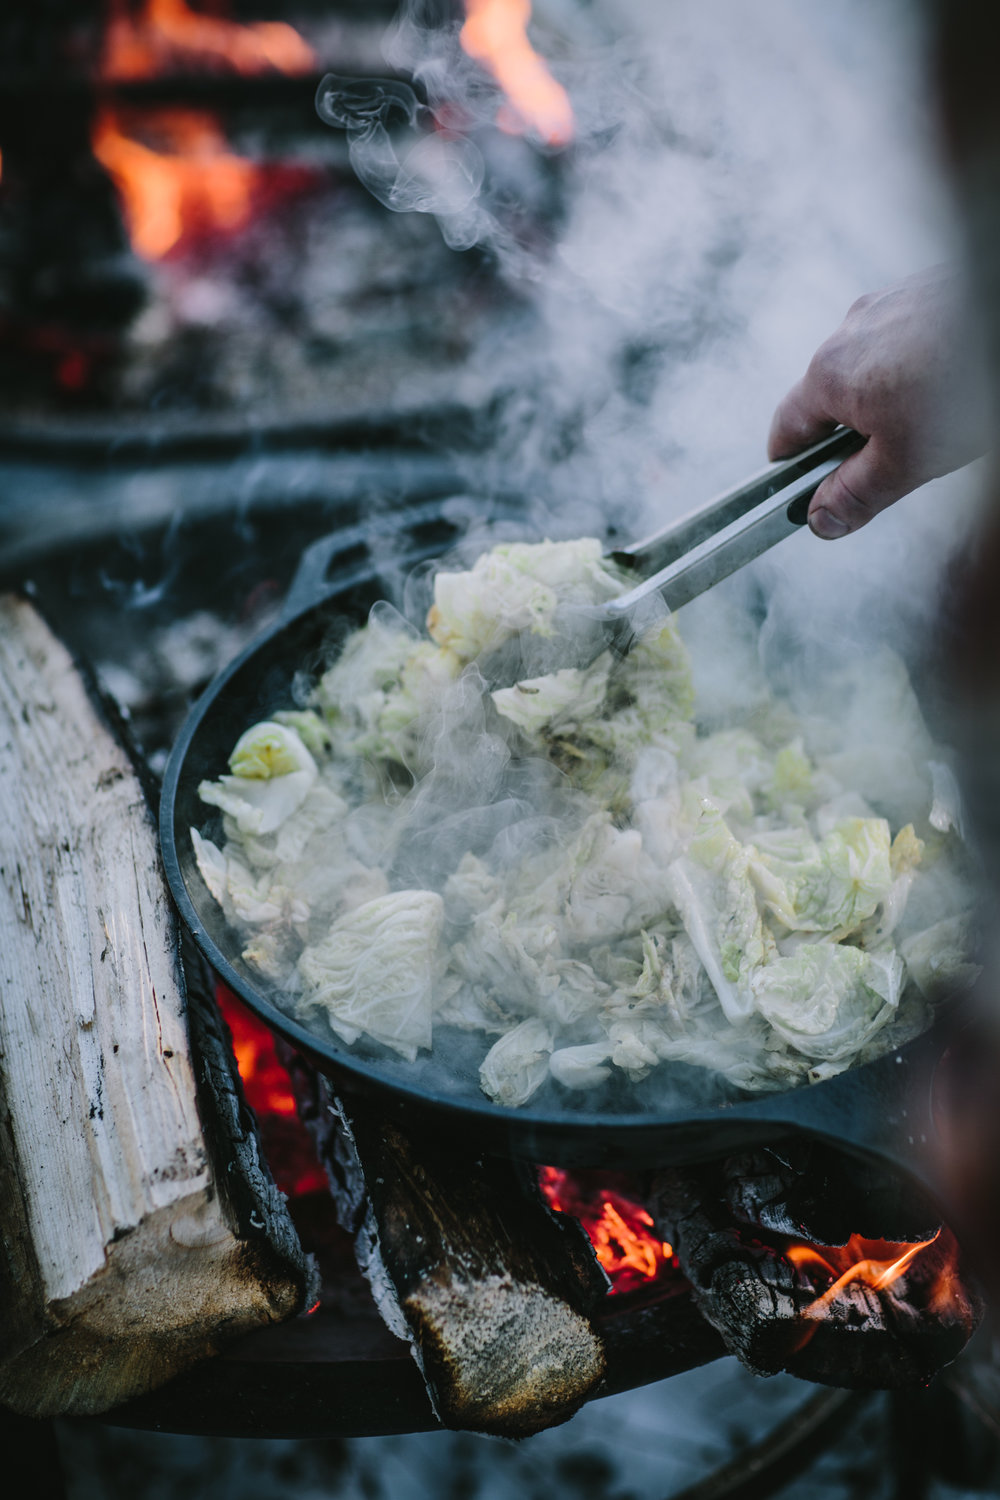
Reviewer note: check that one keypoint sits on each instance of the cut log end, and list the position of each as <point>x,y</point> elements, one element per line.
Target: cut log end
<point>494,1291</point>
<point>502,1357</point>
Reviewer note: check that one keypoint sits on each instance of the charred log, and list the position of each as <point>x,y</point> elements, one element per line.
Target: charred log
<point>493,1290</point>
<point>141,1228</point>
<point>772,1312</point>
<point>807,1190</point>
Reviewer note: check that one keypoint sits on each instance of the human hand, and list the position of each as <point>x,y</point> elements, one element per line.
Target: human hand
<point>897,370</point>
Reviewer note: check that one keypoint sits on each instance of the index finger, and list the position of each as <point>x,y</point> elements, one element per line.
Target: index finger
<point>800,419</point>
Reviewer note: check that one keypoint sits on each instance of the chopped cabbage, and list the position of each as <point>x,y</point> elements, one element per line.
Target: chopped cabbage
<point>828,999</point>
<point>377,695</point>
<point>516,586</point>
<point>517,1065</point>
<point>540,703</point>
<point>272,774</point>
<point>579,872</point>
<point>831,886</point>
<point>581,1067</point>
<point>714,895</point>
<point>378,969</point>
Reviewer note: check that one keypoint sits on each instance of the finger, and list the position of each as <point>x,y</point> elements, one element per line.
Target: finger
<point>864,484</point>
<point>801,418</point>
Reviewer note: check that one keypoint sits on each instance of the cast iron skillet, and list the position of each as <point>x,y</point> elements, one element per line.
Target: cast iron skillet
<point>883,1108</point>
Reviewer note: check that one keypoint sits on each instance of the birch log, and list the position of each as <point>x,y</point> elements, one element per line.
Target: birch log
<point>139,1226</point>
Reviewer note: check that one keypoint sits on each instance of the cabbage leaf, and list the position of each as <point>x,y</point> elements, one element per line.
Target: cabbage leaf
<point>377,971</point>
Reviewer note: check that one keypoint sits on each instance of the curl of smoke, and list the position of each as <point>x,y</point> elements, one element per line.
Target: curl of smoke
<point>740,175</point>
<point>440,174</point>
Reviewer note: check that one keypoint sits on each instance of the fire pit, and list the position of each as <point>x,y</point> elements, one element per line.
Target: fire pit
<point>755,1254</point>
<point>181,457</point>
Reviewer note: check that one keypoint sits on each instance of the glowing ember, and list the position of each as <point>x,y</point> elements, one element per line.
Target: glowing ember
<point>620,1229</point>
<point>287,1144</point>
<point>496,35</point>
<point>878,1263</point>
<point>167,35</point>
<point>265,1082</point>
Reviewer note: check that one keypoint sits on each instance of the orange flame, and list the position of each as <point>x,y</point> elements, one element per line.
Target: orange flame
<point>194,182</point>
<point>287,1144</point>
<point>169,34</point>
<point>180,175</point>
<point>496,35</point>
<point>878,1263</point>
<point>621,1231</point>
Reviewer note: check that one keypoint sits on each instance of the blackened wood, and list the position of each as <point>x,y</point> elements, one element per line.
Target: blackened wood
<point>809,1190</point>
<point>649,1340</point>
<point>140,1231</point>
<point>766,1308</point>
<point>492,1288</point>
<point>253,1206</point>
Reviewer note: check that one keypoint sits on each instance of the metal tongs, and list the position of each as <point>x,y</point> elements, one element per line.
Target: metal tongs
<point>677,564</point>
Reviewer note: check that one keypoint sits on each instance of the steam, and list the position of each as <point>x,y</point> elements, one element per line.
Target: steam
<point>439,175</point>
<point>740,175</point>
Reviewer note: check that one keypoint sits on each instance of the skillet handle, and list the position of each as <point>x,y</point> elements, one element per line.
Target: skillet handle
<point>310,585</point>
<point>885,1110</point>
<point>345,556</point>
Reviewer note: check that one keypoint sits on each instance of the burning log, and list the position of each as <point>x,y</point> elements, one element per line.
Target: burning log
<point>872,1315</point>
<point>141,1227</point>
<point>492,1289</point>
<point>807,1190</point>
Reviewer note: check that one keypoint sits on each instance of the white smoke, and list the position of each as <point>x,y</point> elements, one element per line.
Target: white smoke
<point>741,174</point>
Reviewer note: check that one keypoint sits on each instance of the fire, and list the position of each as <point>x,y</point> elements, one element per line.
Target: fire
<point>265,1081</point>
<point>878,1263</point>
<point>288,1146</point>
<point>496,35</point>
<point>194,182</point>
<point>169,35</point>
<point>620,1229</point>
<point>178,175</point>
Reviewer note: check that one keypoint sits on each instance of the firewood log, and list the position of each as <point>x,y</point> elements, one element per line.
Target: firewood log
<point>140,1227</point>
<point>809,1190</point>
<point>771,1315</point>
<point>492,1289</point>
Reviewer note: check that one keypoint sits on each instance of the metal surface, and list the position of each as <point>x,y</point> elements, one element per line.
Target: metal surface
<point>677,564</point>
<point>882,1108</point>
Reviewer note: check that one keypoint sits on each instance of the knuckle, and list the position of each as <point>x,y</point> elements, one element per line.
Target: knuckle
<point>851,502</point>
<point>861,304</point>
<point>824,375</point>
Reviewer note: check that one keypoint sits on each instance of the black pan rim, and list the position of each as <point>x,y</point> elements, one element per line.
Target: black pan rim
<point>809,1107</point>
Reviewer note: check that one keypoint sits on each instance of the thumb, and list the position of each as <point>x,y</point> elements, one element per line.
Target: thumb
<point>864,484</point>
